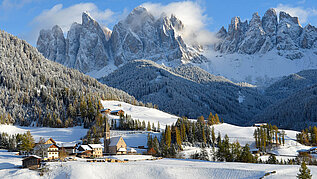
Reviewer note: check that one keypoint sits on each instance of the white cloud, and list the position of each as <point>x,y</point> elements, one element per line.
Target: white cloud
<point>303,14</point>
<point>193,17</point>
<point>64,17</point>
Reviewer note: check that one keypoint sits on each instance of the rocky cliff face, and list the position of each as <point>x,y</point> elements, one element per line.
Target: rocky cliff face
<point>287,36</point>
<point>90,47</point>
<point>85,47</point>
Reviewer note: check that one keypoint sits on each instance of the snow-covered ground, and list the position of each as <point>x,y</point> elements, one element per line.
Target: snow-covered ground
<point>141,113</point>
<point>165,168</point>
<point>72,134</point>
<point>257,69</point>
<point>244,135</point>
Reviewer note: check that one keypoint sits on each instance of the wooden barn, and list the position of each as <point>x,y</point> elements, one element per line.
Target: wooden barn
<point>31,162</point>
<point>105,111</point>
<point>117,112</point>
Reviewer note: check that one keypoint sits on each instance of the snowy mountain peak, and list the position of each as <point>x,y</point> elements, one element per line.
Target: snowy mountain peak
<point>288,18</point>
<point>263,35</point>
<point>269,22</point>
<point>86,18</point>
<point>90,47</point>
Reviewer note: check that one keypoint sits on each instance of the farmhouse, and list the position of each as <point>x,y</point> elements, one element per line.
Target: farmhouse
<point>117,112</point>
<point>312,150</point>
<point>105,111</point>
<point>96,150</point>
<point>259,124</point>
<point>50,141</point>
<point>48,151</point>
<point>70,148</point>
<point>84,151</point>
<point>31,162</point>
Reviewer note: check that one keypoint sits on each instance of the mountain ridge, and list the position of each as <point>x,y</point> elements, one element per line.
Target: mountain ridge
<point>284,34</point>
<point>90,47</point>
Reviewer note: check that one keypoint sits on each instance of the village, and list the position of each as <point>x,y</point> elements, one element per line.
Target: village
<point>51,151</point>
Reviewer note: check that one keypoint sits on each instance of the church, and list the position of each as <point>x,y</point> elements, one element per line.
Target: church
<point>113,145</point>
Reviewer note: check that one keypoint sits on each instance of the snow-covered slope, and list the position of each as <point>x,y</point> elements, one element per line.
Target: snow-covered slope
<point>143,113</point>
<point>244,135</point>
<point>257,69</point>
<point>72,134</point>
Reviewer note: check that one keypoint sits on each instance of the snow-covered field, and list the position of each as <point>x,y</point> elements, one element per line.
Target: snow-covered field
<point>72,134</point>
<point>141,113</point>
<point>244,135</point>
<point>165,168</point>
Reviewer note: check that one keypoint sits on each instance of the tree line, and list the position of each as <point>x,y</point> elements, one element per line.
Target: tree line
<point>266,136</point>
<point>308,136</point>
<point>183,131</point>
<point>17,142</point>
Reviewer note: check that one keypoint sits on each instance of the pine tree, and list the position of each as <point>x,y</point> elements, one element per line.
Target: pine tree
<point>213,137</point>
<point>217,121</point>
<point>178,138</point>
<point>27,142</point>
<point>304,172</point>
<point>272,159</point>
<point>153,127</point>
<point>148,126</point>
<point>201,120</point>
<point>168,136</point>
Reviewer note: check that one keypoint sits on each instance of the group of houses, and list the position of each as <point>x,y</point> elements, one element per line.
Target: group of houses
<point>50,150</point>
<point>312,150</point>
<point>108,111</point>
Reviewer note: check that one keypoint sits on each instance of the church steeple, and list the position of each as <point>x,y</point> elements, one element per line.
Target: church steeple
<point>106,137</point>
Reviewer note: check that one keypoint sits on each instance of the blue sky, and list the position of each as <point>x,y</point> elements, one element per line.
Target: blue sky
<point>25,18</point>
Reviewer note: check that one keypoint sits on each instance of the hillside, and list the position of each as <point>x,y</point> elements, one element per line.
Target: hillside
<point>291,84</point>
<point>294,112</point>
<point>36,91</point>
<point>176,94</point>
<point>142,113</point>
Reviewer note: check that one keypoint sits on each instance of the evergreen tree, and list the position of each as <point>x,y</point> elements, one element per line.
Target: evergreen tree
<point>304,172</point>
<point>213,137</point>
<point>168,136</point>
<point>148,126</point>
<point>27,142</point>
<point>272,159</point>
<point>178,138</point>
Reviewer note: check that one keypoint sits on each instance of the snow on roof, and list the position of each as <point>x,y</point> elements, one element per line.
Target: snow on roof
<point>116,110</point>
<point>114,141</point>
<point>94,146</point>
<point>132,150</point>
<point>85,147</point>
<point>42,146</point>
<point>66,144</point>
<point>122,149</point>
<point>35,156</point>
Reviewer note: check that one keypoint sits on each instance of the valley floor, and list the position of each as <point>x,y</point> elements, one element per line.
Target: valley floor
<point>165,168</point>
